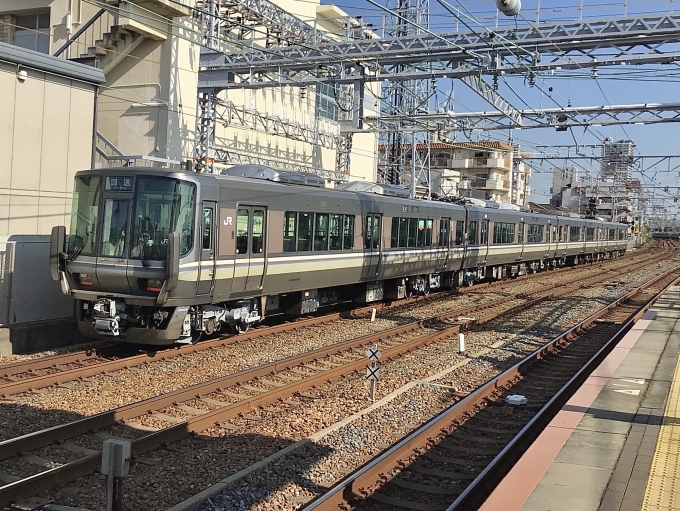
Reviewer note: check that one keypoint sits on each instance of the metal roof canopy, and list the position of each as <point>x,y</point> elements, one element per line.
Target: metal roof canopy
<point>49,64</point>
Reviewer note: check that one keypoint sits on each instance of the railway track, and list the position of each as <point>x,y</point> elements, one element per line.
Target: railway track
<point>169,417</point>
<point>57,370</point>
<point>453,461</point>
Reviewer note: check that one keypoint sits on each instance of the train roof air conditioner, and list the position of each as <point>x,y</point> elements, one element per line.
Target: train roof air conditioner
<point>366,187</point>
<point>254,171</point>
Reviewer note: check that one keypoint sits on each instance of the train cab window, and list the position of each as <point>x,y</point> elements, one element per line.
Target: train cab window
<point>520,233</point>
<point>335,232</point>
<point>257,244</point>
<point>472,232</point>
<point>114,228</point>
<point>484,233</point>
<point>590,233</point>
<point>242,219</point>
<point>443,232</point>
<point>304,236</point>
<point>348,232</point>
<point>372,232</point>
<point>207,228</point>
<point>459,232</point>
<point>321,231</point>
<point>289,230</point>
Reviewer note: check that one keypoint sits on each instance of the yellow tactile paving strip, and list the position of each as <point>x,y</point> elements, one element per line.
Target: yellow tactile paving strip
<point>663,485</point>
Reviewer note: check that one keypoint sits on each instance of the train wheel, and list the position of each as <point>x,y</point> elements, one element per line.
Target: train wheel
<point>241,328</point>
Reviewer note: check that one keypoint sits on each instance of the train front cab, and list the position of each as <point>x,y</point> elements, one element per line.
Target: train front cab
<point>133,257</point>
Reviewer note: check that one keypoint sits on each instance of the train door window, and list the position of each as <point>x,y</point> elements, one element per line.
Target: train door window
<point>520,234</point>
<point>559,233</point>
<point>554,234</point>
<point>472,232</point>
<point>289,229</point>
<point>207,228</point>
<point>372,232</point>
<point>114,228</point>
<point>484,233</point>
<point>444,232</point>
<point>420,241</point>
<point>348,232</point>
<point>321,231</point>
<point>335,232</point>
<point>242,219</point>
<point>429,226</point>
<point>590,233</point>
<point>412,231</point>
<point>459,232</point>
<point>257,243</point>
<point>304,237</point>
<point>573,233</point>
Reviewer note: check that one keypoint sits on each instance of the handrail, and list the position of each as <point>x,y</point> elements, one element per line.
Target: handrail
<point>79,32</point>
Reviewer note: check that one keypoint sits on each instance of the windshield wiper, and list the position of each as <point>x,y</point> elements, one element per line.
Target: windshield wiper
<point>76,251</point>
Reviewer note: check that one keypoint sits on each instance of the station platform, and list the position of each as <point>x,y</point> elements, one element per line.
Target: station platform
<point>615,446</point>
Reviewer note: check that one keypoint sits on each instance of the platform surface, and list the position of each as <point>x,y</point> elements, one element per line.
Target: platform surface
<point>615,445</point>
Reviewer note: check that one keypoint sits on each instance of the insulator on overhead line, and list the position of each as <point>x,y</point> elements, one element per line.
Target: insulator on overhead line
<point>509,7</point>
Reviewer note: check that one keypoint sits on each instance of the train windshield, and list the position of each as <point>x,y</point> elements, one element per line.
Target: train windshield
<point>84,212</point>
<point>162,205</point>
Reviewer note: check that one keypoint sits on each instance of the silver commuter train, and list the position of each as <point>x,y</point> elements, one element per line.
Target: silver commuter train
<point>158,256</point>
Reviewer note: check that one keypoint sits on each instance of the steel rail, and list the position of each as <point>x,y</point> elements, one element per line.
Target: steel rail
<point>62,376</point>
<point>362,482</point>
<point>38,482</point>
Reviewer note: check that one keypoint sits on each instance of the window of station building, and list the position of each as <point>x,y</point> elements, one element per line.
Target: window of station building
<point>535,234</point>
<point>327,101</point>
<point>574,233</point>
<point>411,232</point>
<point>472,232</point>
<point>317,231</point>
<point>484,233</point>
<point>612,234</point>
<point>520,233</point>
<point>590,233</point>
<point>459,232</point>
<point>444,232</point>
<point>32,31</point>
<point>503,233</point>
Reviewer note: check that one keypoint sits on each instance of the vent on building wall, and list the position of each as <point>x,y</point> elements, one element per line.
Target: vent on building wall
<point>253,171</point>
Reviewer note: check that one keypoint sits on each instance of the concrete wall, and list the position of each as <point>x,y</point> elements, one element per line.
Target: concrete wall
<point>46,130</point>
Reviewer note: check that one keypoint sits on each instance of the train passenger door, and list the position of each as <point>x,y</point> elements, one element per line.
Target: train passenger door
<point>484,241</point>
<point>206,266</point>
<point>520,240</point>
<point>444,244</point>
<point>372,244</point>
<point>250,249</point>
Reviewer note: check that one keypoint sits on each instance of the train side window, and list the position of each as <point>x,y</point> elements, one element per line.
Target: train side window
<point>372,232</point>
<point>257,243</point>
<point>459,232</point>
<point>443,232</point>
<point>420,241</point>
<point>573,233</point>
<point>320,231</point>
<point>472,232</point>
<point>535,234</point>
<point>394,238</point>
<point>376,232</point>
<point>335,232</point>
<point>348,232</point>
<point>554,234</point>
<point>207,228</point>
<point>484,233</point>
<point>304,237</point>
<point>590,234</point>
<point>289,231</point>
<point>242,218</point>
<point>429,226</point>
<point>368,231</point>
<point>520,233</point>
<point>403,232</point>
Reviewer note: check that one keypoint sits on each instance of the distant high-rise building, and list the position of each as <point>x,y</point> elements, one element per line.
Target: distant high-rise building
<point>617,159</point>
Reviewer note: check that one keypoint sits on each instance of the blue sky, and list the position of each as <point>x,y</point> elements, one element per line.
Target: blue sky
<point>617,85</point>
